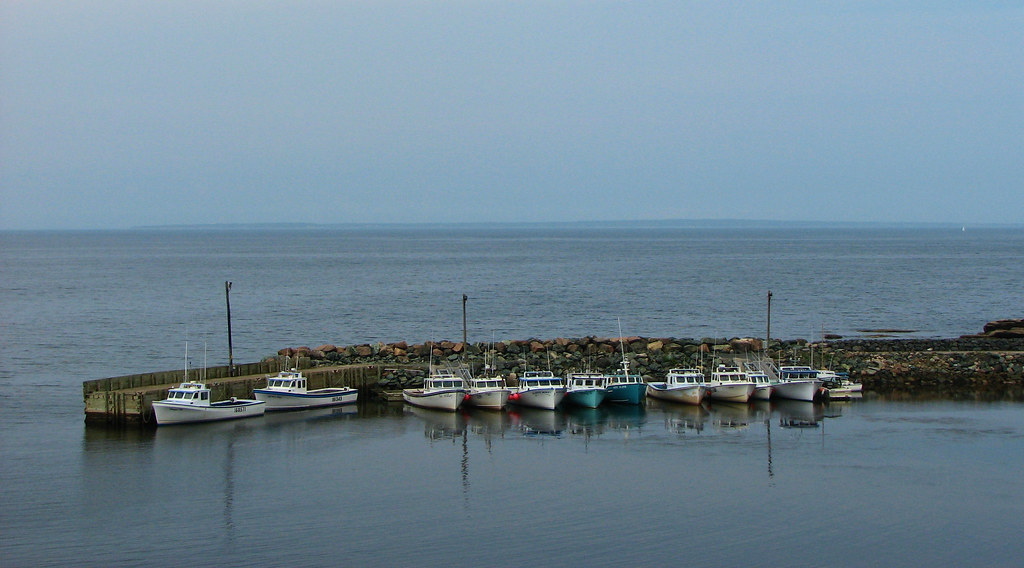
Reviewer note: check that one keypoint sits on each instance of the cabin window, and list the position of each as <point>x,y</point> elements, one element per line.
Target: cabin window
<point>205,396</point>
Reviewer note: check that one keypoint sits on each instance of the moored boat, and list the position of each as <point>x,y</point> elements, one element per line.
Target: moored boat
<point>625,388</point>
<point>585,389</point>
<point>730,384</point>
<point>539,389</point>
<point>763,385</point>
<point>839,386</point>
<point>687,386</point>
<point>442,390</point>
<point>288,390</point>
<point>487,392</point>
<point>190,402</point>
<point>797,382</point>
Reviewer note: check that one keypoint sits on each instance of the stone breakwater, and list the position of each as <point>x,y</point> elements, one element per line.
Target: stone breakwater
<point>949,367</point>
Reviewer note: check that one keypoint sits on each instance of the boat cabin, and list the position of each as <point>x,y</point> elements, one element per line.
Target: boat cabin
<point>443,383</point>
<point>587,380</point>
<point>195,394</point>
<point>685,377</point>
<point>488,383</point>
<point>797,373</point>
<point>287,381</point>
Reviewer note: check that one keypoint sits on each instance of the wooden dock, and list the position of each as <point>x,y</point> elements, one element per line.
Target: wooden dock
<point>129,399</point>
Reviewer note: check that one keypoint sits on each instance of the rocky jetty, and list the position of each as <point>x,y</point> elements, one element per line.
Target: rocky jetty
<point>991,363</point>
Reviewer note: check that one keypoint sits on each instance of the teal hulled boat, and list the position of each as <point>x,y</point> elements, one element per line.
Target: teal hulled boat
<point>625,388</point>
<point>585,389</point>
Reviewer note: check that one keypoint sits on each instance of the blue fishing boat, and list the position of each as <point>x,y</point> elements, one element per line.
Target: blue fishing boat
<point>585,389</point>
<point>625,388</point>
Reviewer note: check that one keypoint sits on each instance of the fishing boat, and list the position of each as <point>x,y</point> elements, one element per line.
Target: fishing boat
<point>487,392</point>
<point>763,384</point>
<point>585,389</point>
<point>288,391</point>
<point>190,402</point>
<point>797,382</point>
<point>730,384</point>
<point>539,389</point>
<point>625,388</point>
<point>839,386</point>
<point>442,390</point>
<point>686,386</point>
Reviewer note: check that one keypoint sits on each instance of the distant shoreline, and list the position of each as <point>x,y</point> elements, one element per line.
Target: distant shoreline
<point>729,224</point>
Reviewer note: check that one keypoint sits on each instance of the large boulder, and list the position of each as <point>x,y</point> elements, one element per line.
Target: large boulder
<point>1006,328</point>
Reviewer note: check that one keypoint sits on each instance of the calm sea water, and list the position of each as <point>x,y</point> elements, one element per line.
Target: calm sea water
<point>875,481</point>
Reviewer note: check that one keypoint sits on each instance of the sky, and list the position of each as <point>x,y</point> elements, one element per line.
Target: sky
<point>116,114</point>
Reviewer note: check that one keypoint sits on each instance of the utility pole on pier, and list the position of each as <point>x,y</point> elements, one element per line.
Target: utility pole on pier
<point>231,355</point>
<point>464,298</point>
<point>768,333</point>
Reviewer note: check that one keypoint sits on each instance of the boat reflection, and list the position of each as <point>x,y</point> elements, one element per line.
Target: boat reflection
<point>799,414</point>
<point>680,418</point>
<point>730,416</point>
<point>537,422</point>
<point>439,424</point>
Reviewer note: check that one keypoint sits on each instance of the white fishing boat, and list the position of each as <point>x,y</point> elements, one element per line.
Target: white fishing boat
<point>539,389</point>
<point>797,382</point>
<point>687,386</point>
<point>190,402</point>
<point>585,389</point>
<point>442,390</point>
<point>288,391</point>
<point>730,384</point>
<point>763,384</point>
<point>487,392</point>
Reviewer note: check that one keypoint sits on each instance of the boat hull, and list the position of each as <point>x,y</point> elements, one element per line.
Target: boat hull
<point>587,398</point>
<point>762,392</point>
<point>438,400</point>
<point>494,399</point>
<point>313,399</point>
<point>683,394</point>
<point>172,413</point>
<point>546,398</point>
<point>797,390</point>
<point>732,392</point>
<point>628,393</point>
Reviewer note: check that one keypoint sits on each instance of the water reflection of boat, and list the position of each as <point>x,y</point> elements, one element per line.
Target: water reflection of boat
<point>537,421</point>
<point>439,424</point>
<point>587,421</point>
<point>625,417</point>
<point>314,414</point>
<point>484,421</point>
<point>680,418</point>
<point>799,414</point>
<point>730,415</point>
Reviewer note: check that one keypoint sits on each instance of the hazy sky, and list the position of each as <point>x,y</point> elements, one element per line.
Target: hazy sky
<point>122,113</point>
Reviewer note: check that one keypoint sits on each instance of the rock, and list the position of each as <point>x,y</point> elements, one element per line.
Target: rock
<point>364,350</point>
<point>327,348</point>
<point>746,345</point>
